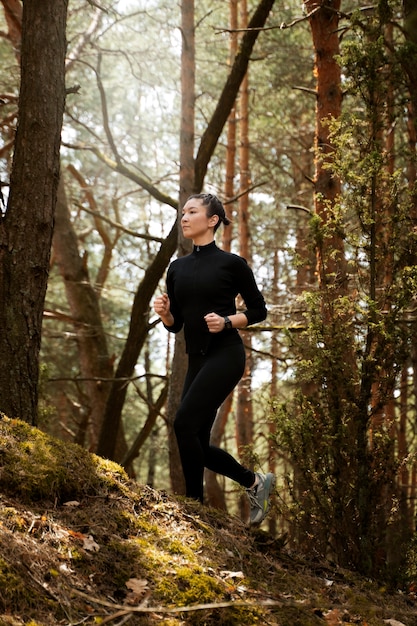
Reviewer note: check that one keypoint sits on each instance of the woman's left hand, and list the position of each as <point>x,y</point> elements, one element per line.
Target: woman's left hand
<point>215,323</point>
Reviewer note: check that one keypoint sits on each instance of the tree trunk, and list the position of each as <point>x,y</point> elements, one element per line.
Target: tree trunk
<point>331,263</point>
<point>138,331</point>
<point>179,362</point>
<point>95,363</point>
<point>215,494</point>
<point>229,191</point>
<point>244,410</point>
<point>324,19</point>
<point>26,229</point>
<point>13,14</point>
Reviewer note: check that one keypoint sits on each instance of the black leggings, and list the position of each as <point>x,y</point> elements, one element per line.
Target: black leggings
<point>210,378</point>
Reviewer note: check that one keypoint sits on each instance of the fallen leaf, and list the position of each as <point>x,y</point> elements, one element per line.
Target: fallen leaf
<point>75,534</point>
<point>90,544</point>
<point>65,569</point>
<point>332,617</point>
<point>136,585</point>
<point>227,574</point>
<point>137,589</point>
<point>393,622</point>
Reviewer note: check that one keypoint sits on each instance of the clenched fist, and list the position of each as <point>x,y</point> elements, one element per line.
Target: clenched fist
<point>162,307</point>
<point>215,323</point>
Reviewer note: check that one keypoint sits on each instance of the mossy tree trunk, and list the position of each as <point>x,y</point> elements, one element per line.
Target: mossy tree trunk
<point>27,225</point>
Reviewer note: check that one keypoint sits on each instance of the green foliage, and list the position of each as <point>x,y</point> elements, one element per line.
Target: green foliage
<point>359,324</point>
<point>338,428</point>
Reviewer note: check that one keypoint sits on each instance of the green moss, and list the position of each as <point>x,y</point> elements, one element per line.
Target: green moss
<point>8,580</point>
<point>15,594</point>
<point>36,466</point>
<point>190,585</point>
<point>13,519</point>
<point>177,547</point>
<point>140,524</point>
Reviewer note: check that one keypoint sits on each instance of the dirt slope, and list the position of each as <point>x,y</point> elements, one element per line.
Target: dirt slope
<point>81,544</point>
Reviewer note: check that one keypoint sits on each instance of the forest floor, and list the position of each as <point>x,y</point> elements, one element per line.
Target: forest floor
<point>80,543</point>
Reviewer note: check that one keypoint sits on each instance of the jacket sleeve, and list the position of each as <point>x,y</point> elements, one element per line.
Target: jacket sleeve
<point>256,310</point>
<point>175,311</point>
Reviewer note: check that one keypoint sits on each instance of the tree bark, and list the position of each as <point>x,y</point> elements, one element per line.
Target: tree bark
<point>214,492</point>
<point>324,19</point>
<point>95,363</point>
<point>138,331</point>
<point>27,226</point>
<point>244,408</point>
<point>179,362</point>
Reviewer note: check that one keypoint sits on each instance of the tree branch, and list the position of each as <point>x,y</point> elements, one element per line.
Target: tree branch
<point>231,89</point>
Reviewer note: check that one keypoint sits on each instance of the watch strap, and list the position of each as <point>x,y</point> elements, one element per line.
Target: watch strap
<point>227,323</point>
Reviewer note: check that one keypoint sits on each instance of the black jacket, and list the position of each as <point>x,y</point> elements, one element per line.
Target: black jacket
<point>208,281</point>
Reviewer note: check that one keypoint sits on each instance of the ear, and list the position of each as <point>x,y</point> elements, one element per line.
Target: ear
<point>214,220</point>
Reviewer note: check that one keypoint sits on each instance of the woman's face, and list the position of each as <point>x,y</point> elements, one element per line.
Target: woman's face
<point>195,223</point>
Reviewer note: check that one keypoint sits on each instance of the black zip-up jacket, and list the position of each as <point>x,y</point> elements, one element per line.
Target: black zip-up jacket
<point>208,281</point>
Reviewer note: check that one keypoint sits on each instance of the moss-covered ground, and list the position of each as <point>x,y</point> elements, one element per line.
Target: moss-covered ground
<point>80,543</point>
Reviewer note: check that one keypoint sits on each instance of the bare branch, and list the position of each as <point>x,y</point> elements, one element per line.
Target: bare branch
<point>85,38</point>
<point>119,226</point>
<point>123,609</point>
<point>299,208</point>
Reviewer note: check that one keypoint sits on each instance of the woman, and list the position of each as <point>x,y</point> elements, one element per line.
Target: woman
<point>201,293</point>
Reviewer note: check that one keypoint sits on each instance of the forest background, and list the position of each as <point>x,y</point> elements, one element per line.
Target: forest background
<point>303,120</point>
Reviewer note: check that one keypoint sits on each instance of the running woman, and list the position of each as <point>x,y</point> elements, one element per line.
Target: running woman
<point>201,298</point>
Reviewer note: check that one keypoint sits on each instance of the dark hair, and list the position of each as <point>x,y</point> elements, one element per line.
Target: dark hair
<point>214,207</point>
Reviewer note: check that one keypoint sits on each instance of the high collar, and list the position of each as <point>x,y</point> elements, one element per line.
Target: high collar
<point>199,250</point>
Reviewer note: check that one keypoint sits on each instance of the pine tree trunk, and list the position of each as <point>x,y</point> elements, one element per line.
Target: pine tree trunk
<point>244,408</point>
<point>26,229</point>
<point>215,494</point>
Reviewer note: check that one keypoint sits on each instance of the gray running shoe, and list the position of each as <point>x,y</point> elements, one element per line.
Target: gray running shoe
<point>259,498</point>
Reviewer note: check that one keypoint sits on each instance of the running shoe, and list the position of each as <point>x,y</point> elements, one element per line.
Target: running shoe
<point>259,497</point>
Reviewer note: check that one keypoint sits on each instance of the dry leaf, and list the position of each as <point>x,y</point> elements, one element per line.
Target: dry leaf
<point>90,544</point>
<point>226,574</point>
<point>333,617</point>
<point>393,622</point>
<point>76,534</point>
<point>137,589</point>
<point>136,585</point>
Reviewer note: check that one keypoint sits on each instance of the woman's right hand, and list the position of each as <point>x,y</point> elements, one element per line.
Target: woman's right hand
<point>162,307</point>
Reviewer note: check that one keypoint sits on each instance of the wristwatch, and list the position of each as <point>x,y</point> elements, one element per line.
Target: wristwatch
<point>227,323</point>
